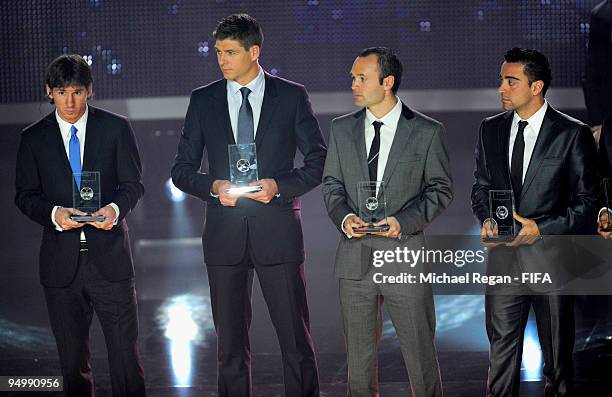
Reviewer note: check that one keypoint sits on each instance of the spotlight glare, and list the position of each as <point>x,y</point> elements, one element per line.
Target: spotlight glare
<point>174,193</point>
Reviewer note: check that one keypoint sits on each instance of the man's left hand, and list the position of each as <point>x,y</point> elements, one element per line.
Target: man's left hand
<point>395,230</point>
<point>110,215</point>
<point>269,189</point>
<point>529,233</point>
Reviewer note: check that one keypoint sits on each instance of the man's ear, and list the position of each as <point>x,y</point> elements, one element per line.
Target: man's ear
<point>90,91</point>
<point>49,93</point>
<point>255,51</point>
<point>388,82</point>
<point>537,87</point>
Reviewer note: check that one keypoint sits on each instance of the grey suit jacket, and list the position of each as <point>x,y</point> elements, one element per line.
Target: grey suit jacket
<point>418,184</point>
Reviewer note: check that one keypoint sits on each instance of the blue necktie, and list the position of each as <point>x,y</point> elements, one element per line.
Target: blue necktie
<point>74,155</point>
<point>245,119</point>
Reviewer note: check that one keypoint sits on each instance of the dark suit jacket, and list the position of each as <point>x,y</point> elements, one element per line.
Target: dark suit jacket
<point>44,179</point>
<point>598,81</point>
<point>286,123</point>
<point>559,192</point>
<point>605,149</point>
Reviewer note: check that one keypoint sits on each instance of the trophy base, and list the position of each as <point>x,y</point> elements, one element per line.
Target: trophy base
<point>371,229</point>
<point>244,189</point>
<point>499,239</point>
<point>87,218</point>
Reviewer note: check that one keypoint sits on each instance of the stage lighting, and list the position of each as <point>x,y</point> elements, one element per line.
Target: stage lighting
<point>532,357</point>
<point>174,193</point>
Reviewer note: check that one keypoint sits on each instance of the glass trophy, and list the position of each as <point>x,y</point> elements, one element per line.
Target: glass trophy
<point>606,185</point>
<point>372,206</point>
<point>87,198</point>
<point>501,207</point>
<point>243,168</point>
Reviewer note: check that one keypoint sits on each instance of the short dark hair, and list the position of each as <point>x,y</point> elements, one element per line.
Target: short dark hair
<point>68,69</point>
<point>388,64</point>
<point>535,65</point>
<point>241,27</point>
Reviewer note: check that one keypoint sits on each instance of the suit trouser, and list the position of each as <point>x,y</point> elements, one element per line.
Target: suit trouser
<point>506,318</point>
<point>283,289</point>
<point>71,311</point>
<point>414,319</point>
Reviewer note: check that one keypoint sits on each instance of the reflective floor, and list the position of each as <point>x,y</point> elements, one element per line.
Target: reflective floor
<point>178,343</point>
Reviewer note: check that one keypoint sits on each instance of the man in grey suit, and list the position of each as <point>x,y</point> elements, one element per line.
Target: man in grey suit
<point>385,141</point>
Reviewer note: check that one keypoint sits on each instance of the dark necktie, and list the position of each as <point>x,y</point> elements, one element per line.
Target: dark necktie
<point>245,119</point>
<point>516,164</point>
<point>374,149</point>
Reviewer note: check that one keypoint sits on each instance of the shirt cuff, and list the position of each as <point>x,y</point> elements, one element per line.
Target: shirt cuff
<point>116,208</point>
<point>57,227</point>
<point>342,224</point>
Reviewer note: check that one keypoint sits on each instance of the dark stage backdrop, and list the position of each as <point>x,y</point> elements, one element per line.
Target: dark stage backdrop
<point>165,47</point>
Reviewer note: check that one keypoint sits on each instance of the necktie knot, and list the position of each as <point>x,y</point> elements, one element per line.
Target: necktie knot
<point>377,125</point>
<point>245,91</point>
<point>73,131</point>
<point>522,124</point>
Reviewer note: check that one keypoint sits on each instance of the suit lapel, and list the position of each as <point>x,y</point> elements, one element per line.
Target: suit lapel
<point>222,110</point>
<point>55,143</point>
<point>358,134</point>
<point>400,140</point>
<point>503,144</point>
<point>268,108</point>
<point>545,136</point>
<point>93,137</point>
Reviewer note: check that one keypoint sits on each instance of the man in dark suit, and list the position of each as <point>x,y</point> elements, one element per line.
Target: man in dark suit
<point>604,165</point>
<point>256,231</point>
<point>598,79</point>
<point>84,267</point>
<point>406,150</point>
<point>548,160</point>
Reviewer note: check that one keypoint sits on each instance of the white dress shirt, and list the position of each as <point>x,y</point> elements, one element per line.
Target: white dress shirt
<point>255,98</point>
<point>387,134</point>
<point>65,127</point>
<point>530,134</point>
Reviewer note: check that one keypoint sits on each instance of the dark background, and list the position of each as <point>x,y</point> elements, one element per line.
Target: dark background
<point>165,49</point>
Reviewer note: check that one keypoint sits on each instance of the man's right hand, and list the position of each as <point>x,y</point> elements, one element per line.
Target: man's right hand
<point>351,222</point>
<point>62,218</point>
<point>603,223</point>
<point>489,230</point>
<point>220,187</point>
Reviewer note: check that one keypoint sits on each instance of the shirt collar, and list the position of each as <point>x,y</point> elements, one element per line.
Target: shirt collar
<point>80,124</point>
<point>390,119</point>
<point>256,85</point>
<point>536,119</point>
